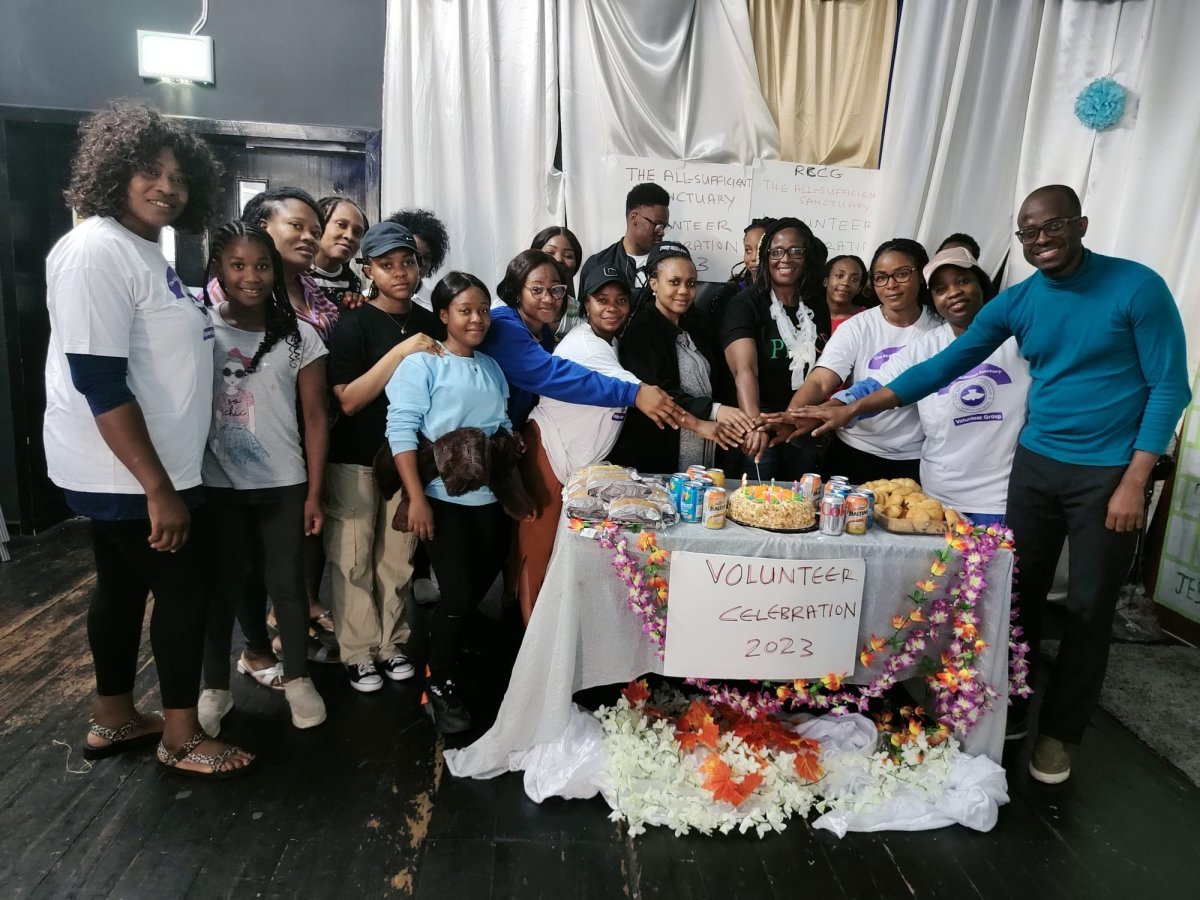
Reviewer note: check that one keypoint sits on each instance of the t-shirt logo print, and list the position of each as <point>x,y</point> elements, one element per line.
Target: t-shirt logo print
<point>175,286</point>
<point>880,359</point>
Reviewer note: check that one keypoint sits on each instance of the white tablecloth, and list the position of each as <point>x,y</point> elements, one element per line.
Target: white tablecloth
<point>583,635</point>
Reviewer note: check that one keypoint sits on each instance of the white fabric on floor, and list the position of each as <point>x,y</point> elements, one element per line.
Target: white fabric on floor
<point>582,634</point>
<point>952,140</point>
<point>470,124</point>
<point>673,79</point>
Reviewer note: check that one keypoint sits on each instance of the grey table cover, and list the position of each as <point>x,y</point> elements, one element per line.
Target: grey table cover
<point>582,634</point>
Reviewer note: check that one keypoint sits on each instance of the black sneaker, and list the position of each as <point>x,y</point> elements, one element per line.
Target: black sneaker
<point>364,677</point>
<point>397,667</point>
<point>443,706</point>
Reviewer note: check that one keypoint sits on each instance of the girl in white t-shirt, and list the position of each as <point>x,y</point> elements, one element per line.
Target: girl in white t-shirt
<point>887,445</point>
<point>971,425</point>
<point>262,486</point>
<point>127,410</point>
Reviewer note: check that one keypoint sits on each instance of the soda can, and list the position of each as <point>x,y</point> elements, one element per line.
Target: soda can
<point>836,487</point>
<point>810,486</point>
<point>691,501</point>
<point>713,515</point>
<point>717,476</point>
<point>858,507</point>
<point>833,514</point>
<point>870,504</point>
<point>676,485</point>
<point>694,472</point>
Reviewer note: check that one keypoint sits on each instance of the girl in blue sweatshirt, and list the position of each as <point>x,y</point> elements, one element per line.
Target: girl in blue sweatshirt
<point>433,396</point>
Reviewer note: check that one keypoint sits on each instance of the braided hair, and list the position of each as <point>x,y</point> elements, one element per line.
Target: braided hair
<point>328,206</point>
<point>811,288</point>
<point>281,321</point>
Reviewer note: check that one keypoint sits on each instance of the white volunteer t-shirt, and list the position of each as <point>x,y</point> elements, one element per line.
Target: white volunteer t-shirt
<point>111,293</point>
<point>971,426</point>
<point>858,350</point>
<point>254,438</point>
<point>575,435</point>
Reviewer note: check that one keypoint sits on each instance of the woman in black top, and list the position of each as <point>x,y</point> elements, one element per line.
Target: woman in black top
<point>670,344</point>
<point>768,365</point>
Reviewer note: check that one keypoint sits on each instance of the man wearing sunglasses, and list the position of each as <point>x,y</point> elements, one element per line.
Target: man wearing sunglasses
<point>646,209</point>
<point>1105,345</point>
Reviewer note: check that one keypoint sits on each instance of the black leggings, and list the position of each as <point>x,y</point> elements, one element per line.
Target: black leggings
<point>258,540</point>
<point>127,569</point>
<point>469,547</point>
<point>861,467</point>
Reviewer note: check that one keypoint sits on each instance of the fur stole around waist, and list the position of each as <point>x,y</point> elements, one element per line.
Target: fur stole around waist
<point>466,459</point>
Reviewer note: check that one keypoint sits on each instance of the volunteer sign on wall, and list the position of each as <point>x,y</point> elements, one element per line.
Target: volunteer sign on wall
<point>1178,584</point>
<point>775,619</point>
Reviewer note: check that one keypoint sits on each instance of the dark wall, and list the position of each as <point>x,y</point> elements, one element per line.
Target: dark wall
<point>300,63</point>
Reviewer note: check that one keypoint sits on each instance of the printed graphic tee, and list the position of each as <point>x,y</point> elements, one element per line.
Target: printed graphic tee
<point>859,350</point>
<point>112,293</point>
<point>254,435</point>
<point>971,425</point>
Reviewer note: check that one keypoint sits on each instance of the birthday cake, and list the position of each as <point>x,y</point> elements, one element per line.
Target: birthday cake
<point>768,506</point>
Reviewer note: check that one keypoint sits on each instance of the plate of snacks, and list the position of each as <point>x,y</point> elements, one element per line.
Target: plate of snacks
<point>902,507</point>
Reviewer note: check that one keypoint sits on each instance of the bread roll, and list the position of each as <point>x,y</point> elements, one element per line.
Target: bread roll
<point>894,512</point>
<point>920,517</point>
<point>951,517</point>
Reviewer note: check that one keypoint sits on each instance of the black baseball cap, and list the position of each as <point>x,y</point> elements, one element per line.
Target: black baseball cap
<point>599,276</point>
<point>664,249</point>
<point>384,237</point>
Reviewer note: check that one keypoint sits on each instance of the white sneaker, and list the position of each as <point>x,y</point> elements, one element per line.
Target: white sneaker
<point>308,709</point>
<point>211,709</point>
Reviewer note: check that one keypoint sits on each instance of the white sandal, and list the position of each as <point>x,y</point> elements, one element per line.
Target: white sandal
<point>271,676</point>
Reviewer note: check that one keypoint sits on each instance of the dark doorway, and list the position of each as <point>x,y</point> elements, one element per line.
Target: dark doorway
<point>36,147</point>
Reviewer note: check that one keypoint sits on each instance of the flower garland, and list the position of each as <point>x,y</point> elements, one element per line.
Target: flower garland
<point>960,695</point>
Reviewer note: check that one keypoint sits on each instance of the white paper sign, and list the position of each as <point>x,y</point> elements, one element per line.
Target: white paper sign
<point>1178,584</point>
<point>710,205</point>
<point>775,619</point>
<point>837,203</point>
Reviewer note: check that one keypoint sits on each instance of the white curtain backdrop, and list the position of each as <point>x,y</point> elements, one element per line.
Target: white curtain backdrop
<point>470,123</point>
<point>952,140</point>
<point>672,79</point>
<point>1140,181</point>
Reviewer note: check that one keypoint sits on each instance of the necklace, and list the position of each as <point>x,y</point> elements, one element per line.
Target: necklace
<point>403,326</point>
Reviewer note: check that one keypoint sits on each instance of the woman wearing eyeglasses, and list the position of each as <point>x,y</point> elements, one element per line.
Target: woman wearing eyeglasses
<point>521,340</point>
<point>887,445</point>
<point>773,332</point>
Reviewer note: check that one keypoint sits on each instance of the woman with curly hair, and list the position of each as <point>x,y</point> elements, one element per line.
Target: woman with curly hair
<point>263,488</point>
<point>432,244</point>
<point>127,414</point>
<point>773,332</point>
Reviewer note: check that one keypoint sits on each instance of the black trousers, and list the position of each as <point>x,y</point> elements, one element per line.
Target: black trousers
<point>1047,501</point>
<point>860,466</point>
<point>258,539</point>
<point>127,570</point>
<point>469,548</point>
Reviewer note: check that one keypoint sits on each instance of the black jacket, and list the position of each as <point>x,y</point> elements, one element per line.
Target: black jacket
<point>614,256</point>
<point>648,350</point>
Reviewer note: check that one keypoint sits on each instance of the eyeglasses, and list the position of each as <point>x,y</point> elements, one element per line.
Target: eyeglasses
<point>790,252</point>
<point>236,373</point>
<point>558,291</point>
<point>1052,227</point>
<point>659,227</point>
<point>901,276</point>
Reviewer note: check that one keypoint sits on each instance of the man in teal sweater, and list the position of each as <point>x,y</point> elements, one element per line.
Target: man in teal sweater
<point>1106,352</point>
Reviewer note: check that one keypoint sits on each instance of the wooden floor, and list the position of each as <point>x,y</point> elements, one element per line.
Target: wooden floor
<point>362,806</point>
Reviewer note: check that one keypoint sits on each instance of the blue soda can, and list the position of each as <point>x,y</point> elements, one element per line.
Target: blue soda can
<point>691,501</point>
<point>678,480</point>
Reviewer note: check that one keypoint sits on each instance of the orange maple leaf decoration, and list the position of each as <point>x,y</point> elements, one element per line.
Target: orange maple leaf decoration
<point>808,766</point>
<point>696,727</point>
<point>636,692</point>
<point>719,779</point>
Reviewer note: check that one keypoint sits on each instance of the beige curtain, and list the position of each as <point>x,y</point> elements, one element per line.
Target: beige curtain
<point>824,71</point>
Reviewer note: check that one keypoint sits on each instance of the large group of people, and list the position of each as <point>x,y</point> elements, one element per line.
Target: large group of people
<point>321,403</point>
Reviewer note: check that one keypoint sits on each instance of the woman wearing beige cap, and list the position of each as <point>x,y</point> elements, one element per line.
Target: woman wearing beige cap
<point>971,425</point>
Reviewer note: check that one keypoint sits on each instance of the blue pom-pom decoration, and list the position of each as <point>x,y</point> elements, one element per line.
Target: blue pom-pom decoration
<point>1101,104</point>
